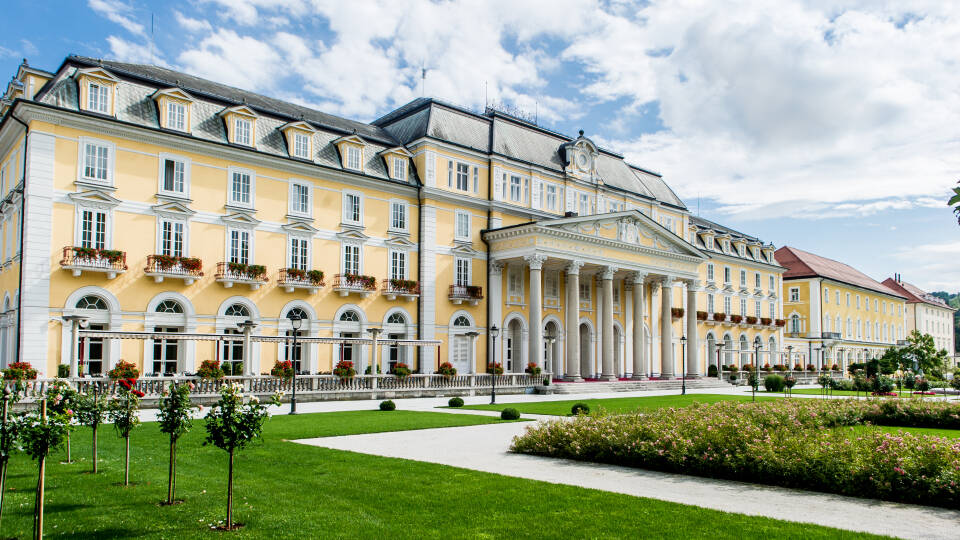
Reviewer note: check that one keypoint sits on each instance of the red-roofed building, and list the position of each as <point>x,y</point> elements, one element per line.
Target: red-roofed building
<point>926,313</point>
<point>835,313</point>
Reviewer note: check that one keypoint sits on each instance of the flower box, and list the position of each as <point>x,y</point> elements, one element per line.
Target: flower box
<point>676,312</point>
<point>720,317</point>
<point>19,371</point>
<point>344,370</point>
<point>79,259</point>
<point>447,370</point>
<point>780,322</point>
<point>294,278</point>
<point>253,275</point>
<point>701,315</point>
<point>407,288</point>
<point>346,284</point>
<point>766,321</point>
<point>465,293</point>
<point>736,319</point>
<point>751,319</point>
<point>161,266</point>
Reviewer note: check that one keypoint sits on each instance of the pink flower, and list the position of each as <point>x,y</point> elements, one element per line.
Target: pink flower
<point>69,412</point>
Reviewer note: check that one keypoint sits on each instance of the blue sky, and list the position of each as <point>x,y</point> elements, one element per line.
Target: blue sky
<point>829,127</point>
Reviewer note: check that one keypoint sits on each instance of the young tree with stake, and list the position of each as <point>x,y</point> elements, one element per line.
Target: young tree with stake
<point>123,414</point>
<point>91,410</point>
<point>9,434</point>
<point>41,434</point>
<point>61,399</point>
<point>175,420</point>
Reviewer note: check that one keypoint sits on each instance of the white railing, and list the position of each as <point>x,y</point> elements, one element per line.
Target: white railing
<point>307,385</point>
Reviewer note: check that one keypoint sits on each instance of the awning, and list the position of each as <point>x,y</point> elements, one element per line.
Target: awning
<point>176,336</point>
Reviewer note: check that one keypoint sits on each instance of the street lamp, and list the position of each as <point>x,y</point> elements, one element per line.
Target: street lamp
<point>492,367</point>
<point>295,322</point>
<point>683,365</point>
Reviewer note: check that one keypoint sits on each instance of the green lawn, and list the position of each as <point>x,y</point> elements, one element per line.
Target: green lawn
<point>951,433</point>
<point>288,490</point>
<point>617,405</point>
<point>817,392</point>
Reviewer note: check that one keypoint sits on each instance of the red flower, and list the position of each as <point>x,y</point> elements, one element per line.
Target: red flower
<point>125,383</point>
<point>137,393</point>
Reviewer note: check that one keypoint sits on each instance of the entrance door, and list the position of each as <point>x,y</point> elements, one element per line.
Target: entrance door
<point>166,352</point>
<point>93,353</point>
<point>350,353</point>
<point>232,353</point>
<point>461,353</point>
<point>395,353</point>
<point>294,354</point>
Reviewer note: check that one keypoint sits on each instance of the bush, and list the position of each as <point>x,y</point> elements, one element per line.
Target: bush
<point>909,381</point>
<point>843,384</point>
<point>210,369</point>
<point>955,383</point>
<point>532,369</point>
<point>509,414</point>
<point>455,402</point>
<point>733,377</point>
<point>712,371</point>
<point>282,370</point>
<point>861,383</point>
<point>344,370</point>
<point>773,383</point>
<point>19,371</point>
<point>124,370</point>
<point>401,370</point>
<point>882,385</point>
<point>767,368</point>
<point>579,408</point>
<point>447,370</point>
<point>387,405</point>
<point>798,367</point>
<point>63,371</point>
<point>811,367</point>
<point>546,381</point>
<point>922,385</point>
<point>789,381</point>
<point>825,381</point>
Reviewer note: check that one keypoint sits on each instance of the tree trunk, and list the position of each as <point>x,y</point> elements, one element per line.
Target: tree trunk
<point>126,462</point>
<point>172,471</point>
<point>230,493</point>
<point>95,448</point>
<point>3,484</point>
<point>69,460</point>
<point>38,504</point>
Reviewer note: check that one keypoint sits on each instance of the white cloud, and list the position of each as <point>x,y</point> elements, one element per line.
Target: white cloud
<point>128,51</point>
<point>192,25</point>
<point>229,58</point>
<point>933,267</point>
<point>118,12</point>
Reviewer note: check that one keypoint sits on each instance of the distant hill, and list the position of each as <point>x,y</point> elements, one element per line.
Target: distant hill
<point>954,301</point>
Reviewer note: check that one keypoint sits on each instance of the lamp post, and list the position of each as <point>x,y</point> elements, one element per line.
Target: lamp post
<point>683,365</point>
<point>492,367</point>
<point>295,322</point>
<point>757,347</point>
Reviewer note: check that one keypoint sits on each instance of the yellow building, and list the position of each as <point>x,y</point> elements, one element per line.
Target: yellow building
<point>834,313</point>
<point>154,201</point>
<point>926,313</point>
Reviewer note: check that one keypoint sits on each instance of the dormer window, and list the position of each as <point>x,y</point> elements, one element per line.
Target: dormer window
<point>98,98</point>
<point>351,152</point>
<point>354,158</point>
<point>301,146</point>
<point>173,106</point>
<point>96,87</point>
<point>241,124</point>
<point>399,168</point>
<point>176,116</point>
<point>241,131</point>
<point>299,137</point>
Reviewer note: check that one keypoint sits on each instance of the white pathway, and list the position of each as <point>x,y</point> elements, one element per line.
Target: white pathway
<point>484,448</point>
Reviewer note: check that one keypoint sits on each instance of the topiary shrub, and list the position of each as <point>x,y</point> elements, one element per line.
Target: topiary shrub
<point>579,408</point>
<point>455,402</point>
<point>712,371</point>
<point>773,383</point>
<point>509,414</point>
<point>387,405</point>
<point>63,371</point>
<point>546,381</point>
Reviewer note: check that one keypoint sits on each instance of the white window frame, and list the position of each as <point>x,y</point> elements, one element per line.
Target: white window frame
<point>826,295</point>
<point>309,256</point>
<point>584,204</point>
<point>293,202</point>
<point>185,250</point>
<point>348,219</point>
<point>349,161</point>
<point>461,217</point>
<point>82,160</point>
<point>551,197</point>
<point>253,187</point>
<point>251,240</point>
<point>301,145</point>
<point>78,226</point>
<point>105,102</point>
<point>405,210</point>
<point>743,279</point>
<point>519,185</point>
<point>727,305</point>
<point>343,257</point>
<point>399,168</point>
<point>727,275</point>
<point>240,122</point>
<point>461,172</point>
<point>185,161</point>
<point>175,121</point>
<point>466,262</point>
<point>710,272</point>
<point>794,294</point>
<point>711,303</point>
<point>551,280</point>
<point>514,270</point>
<point>401,255</point>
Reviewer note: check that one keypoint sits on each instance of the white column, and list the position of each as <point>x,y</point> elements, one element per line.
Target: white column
<point>248,368</point>
<point>35,250</point>
<point>639,342</point>
<point>495,299</point>
<point>428,286</point>
<point>608,370</point>
<point>573,321</point>
<point>693,344</point>
<point>666,329</point>
<point>536,308</point>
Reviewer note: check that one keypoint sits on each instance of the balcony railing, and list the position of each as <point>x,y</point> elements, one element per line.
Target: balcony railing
<point>466,293</point>
<point>82,259</point>
<point>355,283</point>
<point>392,288</point>
<point>830,335</point>
<point>292,279</point>
<point>253,275</point>
<point>188,269</point>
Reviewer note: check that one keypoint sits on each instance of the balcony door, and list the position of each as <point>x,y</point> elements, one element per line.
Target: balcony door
<point>166,352</point>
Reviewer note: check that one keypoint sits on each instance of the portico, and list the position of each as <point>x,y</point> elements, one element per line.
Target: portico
<point>597,273</point>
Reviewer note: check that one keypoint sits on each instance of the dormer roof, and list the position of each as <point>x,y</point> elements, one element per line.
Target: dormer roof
<point>175,93</point>
<point>239,109</point>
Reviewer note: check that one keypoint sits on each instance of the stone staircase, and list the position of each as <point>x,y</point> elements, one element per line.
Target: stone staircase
<point>596,387</point>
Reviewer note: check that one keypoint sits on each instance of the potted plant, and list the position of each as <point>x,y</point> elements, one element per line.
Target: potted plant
<point>344,370</point>
<point>780,322</point>
<point>315,276</point>
<point>719,316</point>
<point>766,321</point>
<point>779,367</point>
<point>736,318</point>
<point>283,370</point>
<point>676,312</point>
<point>751,319</point>
<point>532,369</point>
<point>256,271</point>
<point>191,264</point>
<point>112,256</point>
<point>798,367</point>
<point>701,315</point>
<point>474,291</point>
<point>210,370</point>
<point>401,370</point>
<point>495,367</point>
<point>767,368</point>
<point>19,371</point>
<point>447,370</point>
<point>123,370</point>
<point>297,274</point>
<point>811,367</point>
<point>81,252</point>
<point>164,262</point>
<point>836,367</point>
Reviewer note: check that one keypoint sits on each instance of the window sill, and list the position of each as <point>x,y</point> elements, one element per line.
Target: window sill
<point>97,184</point>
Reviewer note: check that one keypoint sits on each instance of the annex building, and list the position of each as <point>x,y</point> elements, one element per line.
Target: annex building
<point>143,199</point>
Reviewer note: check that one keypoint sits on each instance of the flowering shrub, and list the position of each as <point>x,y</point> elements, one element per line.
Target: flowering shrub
<point>19,371</point>
<point>793,443</point>
<point>344,370</point>
<point>766,367</point>
<point>779,367</point>
<point>175,420</point>
<point>495,367</point>
<point>836,367</point>
<point>123,370</point>
<point>283,370</point>
<point>123,413</point>
<point>736,318</point>
<point>798,367</point>
<point>91,410</point>
<point>447,370</point>
<point>811,367</point>
<point>401,370</point>
<point>210,370</point>
<point>533,369</point>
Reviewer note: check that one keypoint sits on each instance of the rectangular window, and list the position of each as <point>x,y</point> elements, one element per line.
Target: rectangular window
<point>773,310</point>
<point>176,116</point>
<point>93,229</point>
<point>743,307</point>
<point>584,204</point>
<point>463,177</point>
<point>794,294</point>
<point>98,98</point>
<point>399,168</point>
<point>726,275</point>
<point>743,279</point>
<point>398,265</point>
<point>551,287</point>
<point>301,145</point>
<point>585,291</point>
<point>299,253</point>
<point>858,301</point>
<point>171,238</point>
<point>463,226</point>
<point>710,303</point>
<point>848,299</point>
<point>240,246</point>
<point>551,203</point>
<point>300,199</point>
<point>174,176</point>
<point>756,280</point>
<point>773,283</point>
<point>710,272</point>
<point>826,296</point>
<point>515,190</point>
<point>727,308</point>
<point>241,185</point>
<point>96,162</point>
<point>351,259</point>
<point>398,216</point>
<point>462,277</point>
<point>837,296</point>
<point>756,309</point>
<point>476,179</point>
<point>241,131</point>
<point>352,208</point>
<point>354,158</point>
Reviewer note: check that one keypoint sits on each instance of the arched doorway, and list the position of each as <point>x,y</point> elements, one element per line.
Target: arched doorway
<point>295,353</point>
<point>744,350</point>
<point>513,344</point>
<point>167,354</point>
<point>551,351</point>
<point>461,344</point>
<point>349,325</point>
<point>586,350</point>
<point>94,351</point>
<point>231,354</point>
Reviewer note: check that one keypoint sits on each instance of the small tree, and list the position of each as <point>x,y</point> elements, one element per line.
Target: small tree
<point>9,434</point>
<point>175,420</point>
<point>955,202</point>
<point>231,426</point>
<point>91,410</point>
<point>123,414</point>
<point>40,434</point>
<point>62,399</point>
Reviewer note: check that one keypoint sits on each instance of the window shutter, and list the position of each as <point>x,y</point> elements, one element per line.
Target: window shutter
<point>497,185</point>
<point>450,174</point>
<point>536,202</point>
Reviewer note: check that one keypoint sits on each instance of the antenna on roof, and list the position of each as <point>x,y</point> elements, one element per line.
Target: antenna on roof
<point>153,59</point>
<point>423,80</point>
<point>486,102</point>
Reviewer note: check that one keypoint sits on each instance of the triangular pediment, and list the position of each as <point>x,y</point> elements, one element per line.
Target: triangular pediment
<point>95,197</point>
<point>399,241</point>
<point>242,110</point>
<point>353,138</point>
<point>298,125</point>
<point>352,234</point>
<point>299,227</point>
<point>97,72</point>
<point>396,150</point>
<point>630,227</point>
<point>464,249</point>
<point>173,208</point>
<point>174,93</point>
<point>240,218</point>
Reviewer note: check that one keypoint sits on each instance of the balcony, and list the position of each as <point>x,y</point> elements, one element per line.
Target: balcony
<point>346,284</point>
<point>253,275</point>
<point>405,288</point>
<point>292,279</point>
<point>81,259</point>
<point>465,293</point>
<point>766,321</point>
<point>159,267</point>
<point>736,319</point>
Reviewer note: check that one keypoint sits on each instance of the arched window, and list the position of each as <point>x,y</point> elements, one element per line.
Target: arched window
<point>350,316</point>
<point>461,321</point>
<point>728,350</point>
<point>396,318</point>
<point>744,350</point>
<point>295,353</point>
<point>169,306</point>
<point>237,310</point>
<point>92,302</point>
<point>795,323</point>
<point>297,313</point>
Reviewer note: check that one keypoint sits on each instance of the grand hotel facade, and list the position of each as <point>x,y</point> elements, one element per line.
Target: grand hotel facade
<point>148,200</point>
